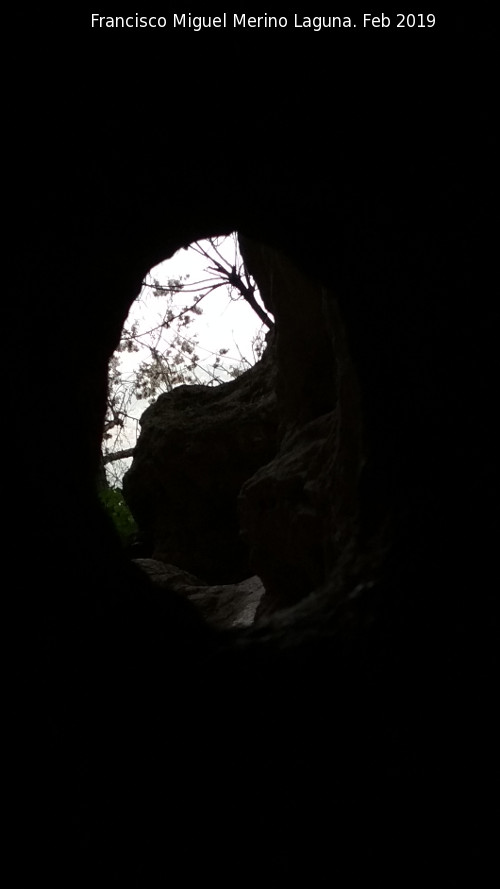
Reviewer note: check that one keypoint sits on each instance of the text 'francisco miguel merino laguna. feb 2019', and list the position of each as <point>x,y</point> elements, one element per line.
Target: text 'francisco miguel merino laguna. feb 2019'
<point>241,20</point>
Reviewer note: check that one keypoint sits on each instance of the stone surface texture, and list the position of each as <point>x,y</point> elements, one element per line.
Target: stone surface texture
<point>224,606</point>
<point>198,444</point>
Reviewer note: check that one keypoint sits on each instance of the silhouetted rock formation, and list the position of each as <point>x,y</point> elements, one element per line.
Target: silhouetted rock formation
<point>284,440</point>
<point>299,513</point>
<point>197,446</point>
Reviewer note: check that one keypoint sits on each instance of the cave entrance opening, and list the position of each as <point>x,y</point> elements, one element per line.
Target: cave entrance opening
<point>198,320</point>
<point>191,371</point>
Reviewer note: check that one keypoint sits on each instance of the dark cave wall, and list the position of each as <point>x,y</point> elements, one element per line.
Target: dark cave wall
<point>299,513</point>
<point>333,736</point>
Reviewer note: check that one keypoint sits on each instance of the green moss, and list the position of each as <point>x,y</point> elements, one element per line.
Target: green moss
<point>113,501</point>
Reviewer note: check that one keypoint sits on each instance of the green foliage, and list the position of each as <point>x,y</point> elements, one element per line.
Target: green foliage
<point>123,520</point>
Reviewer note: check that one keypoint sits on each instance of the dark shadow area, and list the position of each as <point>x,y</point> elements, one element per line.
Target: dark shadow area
<point>349,736</point>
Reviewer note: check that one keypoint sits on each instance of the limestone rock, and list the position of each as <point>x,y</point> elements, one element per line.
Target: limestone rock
<point>224,606</point>
<point>197,447</point>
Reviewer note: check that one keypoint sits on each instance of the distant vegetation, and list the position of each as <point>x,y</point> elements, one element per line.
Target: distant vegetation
<point>123,520</point>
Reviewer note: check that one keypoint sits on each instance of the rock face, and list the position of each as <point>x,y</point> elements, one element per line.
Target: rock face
<point>261,474</point>
<point>197,446</point>
<point>352,736</point>
<point>224,606</point>
<point>299,513</point>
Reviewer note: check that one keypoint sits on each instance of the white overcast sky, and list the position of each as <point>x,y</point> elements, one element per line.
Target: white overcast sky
<point>225,323</point>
